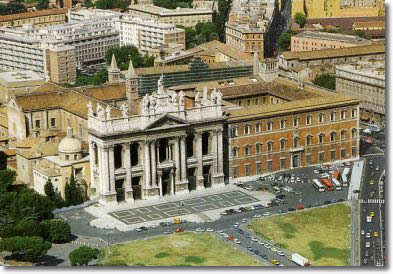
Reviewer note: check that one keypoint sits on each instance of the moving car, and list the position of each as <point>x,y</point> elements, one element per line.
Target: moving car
<point>199,229</point>
<point>376,234</point>
<point>367,244</point>
<point>236,241</point>
<point>275,262</point>
<point>209,229</point>
<point>368,235</point>
<point>267,214</point>
<point>372,214</point>
<point>371,182</point>
<point>179,230</point>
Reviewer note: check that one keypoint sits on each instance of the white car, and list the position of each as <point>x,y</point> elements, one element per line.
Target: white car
<point>377,168</point>
<point>257,216</point>
<point>267,214</point>
<point>236,241</point>
<point>362,232</point>
<point>274,249</point>
<point>209,229</point>
<point>367,244</point>
<point>236,224</point>
<point>267,246</point>
<point>324,175</point>
<point>224,213</point>
<point>138,229</point>
<point>244,221</point>
<point>316,171</point>
<point>368,235</point>
<point>260,242</point>
<point>280,253</point>
<point>199,229</point>
<point>254,239</point>
<point>220,232</point>
<point>225,235</point>
<point>154,226</point>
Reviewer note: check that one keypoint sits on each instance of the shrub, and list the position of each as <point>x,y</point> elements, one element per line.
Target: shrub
<point>31,248</point>
<point>59,231</point>
<point>83,255</point>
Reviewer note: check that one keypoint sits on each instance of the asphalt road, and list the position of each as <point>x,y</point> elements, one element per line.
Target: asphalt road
<point>372,204</point>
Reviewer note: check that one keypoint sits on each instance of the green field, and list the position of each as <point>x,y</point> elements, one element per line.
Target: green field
<point>178,249</point>
<point>321,235</point>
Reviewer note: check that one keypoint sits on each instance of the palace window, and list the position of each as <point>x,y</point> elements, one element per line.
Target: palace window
<point>247,150</point>
<point>343,114</point>
<point>333,116</point>
<point>258,127</point>
<point>321,138</point>
<point>309,120</point>
<point>296,122</point>
<point>296,142</point>
<point>333,136</point>
<point>234,132</point>
<point>321,117</point>
<point>270,146</point>
<point>354,133</point>
<point>282,144</point>
<point>37,123</point>
<point>247,169</point>
<point>309,140</point>
<point>354,112</point>
<point>235,152</point>
<point>258,167</point>
<point>235,172</point>
<point>52,122</point>
<point>282,124</point>
<point>283,163</point>
<point>258,148</point>
<point>270,165</point>
<point>247,129</point>
<point>342,134</point>
<point>270,126</point>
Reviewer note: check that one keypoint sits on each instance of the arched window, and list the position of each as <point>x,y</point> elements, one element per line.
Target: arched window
<point>354,133</point>
<point>258,148</point>
<point>296,142</point>
<point>247,150</point>
<point>282,144</point>
<point>270,146</point>
<point>309,140</point>
<point>235,152</point>
<point>321,138</point>
<point>342,134</point>
<point>333,136</point>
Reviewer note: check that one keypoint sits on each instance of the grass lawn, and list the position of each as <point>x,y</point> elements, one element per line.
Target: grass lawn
<point>321,235</point>
<point>178,249</point>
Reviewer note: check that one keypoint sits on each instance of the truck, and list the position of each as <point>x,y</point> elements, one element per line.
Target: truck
<point>328,184</point>
<point>300,260</point>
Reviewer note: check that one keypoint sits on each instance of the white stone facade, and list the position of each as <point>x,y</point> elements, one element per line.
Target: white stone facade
<point>173,146</point>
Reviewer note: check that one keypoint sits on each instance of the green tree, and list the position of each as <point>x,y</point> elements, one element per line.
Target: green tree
<point>300,19</point>
<point>42,4</point>
<point>83,255</point>
<point>325,80</point>
<point>363,34</point>
<point>173,4</point>
<point>31,248</point>
<point>284,41</point>
<point>49,189</point>
<point>59,231</point>
<point>88,4</point>
<point>31,205</point>
<point>123,55</point>
<point>73,194</point>
<point>7,177</point>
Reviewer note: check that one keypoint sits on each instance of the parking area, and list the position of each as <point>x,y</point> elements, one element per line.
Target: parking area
<point>183,207</point>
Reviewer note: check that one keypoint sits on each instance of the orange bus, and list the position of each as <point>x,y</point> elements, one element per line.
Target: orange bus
<point>328,184</point>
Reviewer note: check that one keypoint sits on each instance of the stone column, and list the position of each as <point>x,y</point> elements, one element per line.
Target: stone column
<point>172,180</point>
<point>177,159</point>
<point>127,165</point>
<point>199,178</point>
<point>183,154</point>
<point>214,151</point>
<point>111,168</point>
<point>219,177</point>
<point>91,153</point>
<point>146,159</point>
<point>153,164</point>
<point>104,174</point>
<point>159,173</point>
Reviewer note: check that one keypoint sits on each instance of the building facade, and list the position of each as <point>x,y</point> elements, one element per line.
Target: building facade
<point>187,17</point>
<point>366,81</point>
<point>310,40</point>
<point>292,134</point>
<point>173,145</point>
<point>41,18</point>
<point>245,38</point>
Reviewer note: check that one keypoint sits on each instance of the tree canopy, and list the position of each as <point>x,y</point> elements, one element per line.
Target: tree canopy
<point>325,80</point>
<point>300,19</point>
<point>11,8</point>
<point>112,4</point>
<point>173,4</point>
<point>123,55</point>
<point>83,255</point>
<point>73,193</point>
<point>203,32</point>
<point>31,248</point>
<point>284,41</point>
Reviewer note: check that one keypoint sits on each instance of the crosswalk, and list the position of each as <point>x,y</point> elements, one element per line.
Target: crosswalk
<point>372,201</point>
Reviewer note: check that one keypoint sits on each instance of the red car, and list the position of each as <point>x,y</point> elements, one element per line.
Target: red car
<point>179,230</point>
<point>231,238</point>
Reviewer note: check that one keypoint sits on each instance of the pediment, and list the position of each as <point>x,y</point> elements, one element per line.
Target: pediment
<point>167,121</point>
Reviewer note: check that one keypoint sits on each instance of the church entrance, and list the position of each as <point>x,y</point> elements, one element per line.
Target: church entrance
<point>207,176</point>
<point>136,188</point>
<point>166,182</point>
<point>191,179</point>
<point>120,193</point>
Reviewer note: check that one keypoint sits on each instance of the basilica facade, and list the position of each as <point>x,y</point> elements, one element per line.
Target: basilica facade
<point>167,144</point>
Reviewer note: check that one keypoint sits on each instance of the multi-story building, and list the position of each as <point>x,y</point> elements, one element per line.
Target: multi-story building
<point>288,61</point>
<point>148,34</point>
<point>292,129</point>
<point>366,81</point>
<point>338,8</point>
<point>245,38</point>
<point>187,17</point>
<point>41,18</point>
<point>311,40</point>
<point>91,39</point>
<point>22,51</point>
<point>171,145</point>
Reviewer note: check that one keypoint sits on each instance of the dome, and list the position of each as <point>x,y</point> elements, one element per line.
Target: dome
<point>70,144</point>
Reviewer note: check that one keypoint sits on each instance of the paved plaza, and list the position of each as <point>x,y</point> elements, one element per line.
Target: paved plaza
<point>183,207</point>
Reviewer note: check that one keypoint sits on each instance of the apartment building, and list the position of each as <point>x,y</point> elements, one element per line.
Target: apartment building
<point>366,81</point>
<point>91,39</point>
<point>41,18</point>
<point>180,16</point>
<point>312,40</point>
<point>148,34</point>
<point>245,38</point>
<point>21,51</point>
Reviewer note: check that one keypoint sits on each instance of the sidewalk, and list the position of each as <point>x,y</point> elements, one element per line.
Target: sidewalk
<point>356,178</point>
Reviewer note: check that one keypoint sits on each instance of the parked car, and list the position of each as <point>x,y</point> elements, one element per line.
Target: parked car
<point>199,229</point>
<point>299,206</point>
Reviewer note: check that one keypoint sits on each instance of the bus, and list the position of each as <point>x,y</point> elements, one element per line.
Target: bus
<point>328,184</point>
<point>345,175</point>
<point>336,183</point>
<point>317,184</point>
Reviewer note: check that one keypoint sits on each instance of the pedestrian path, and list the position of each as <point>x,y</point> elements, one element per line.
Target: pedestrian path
<point>372,201</point>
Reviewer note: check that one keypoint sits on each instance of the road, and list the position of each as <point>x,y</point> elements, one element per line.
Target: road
<point>372,203</point>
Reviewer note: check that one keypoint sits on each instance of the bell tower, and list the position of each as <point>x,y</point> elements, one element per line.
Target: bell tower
<point>132,89</point>
<point>113,72</point>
